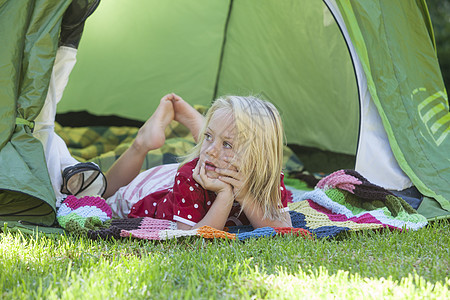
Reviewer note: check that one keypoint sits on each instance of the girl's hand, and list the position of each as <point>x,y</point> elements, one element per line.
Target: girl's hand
<point>210,184</point>
<point>235,178</point>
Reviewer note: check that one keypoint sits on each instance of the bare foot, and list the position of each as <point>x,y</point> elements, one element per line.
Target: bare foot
<point>188,116</point>
<point>151,135</point>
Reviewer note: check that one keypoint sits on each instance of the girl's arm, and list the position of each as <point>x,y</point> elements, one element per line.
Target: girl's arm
<point>255,216</point>
<point>217,215</point>
<point>219,211</point>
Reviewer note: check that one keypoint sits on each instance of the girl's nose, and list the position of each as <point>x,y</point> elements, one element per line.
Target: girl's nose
<point>212,150</point>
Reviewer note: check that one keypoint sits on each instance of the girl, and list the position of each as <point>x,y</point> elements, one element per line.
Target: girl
<point>233,174</point>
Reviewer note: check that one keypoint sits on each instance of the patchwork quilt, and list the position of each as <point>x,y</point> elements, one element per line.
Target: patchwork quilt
<point>342,201</point>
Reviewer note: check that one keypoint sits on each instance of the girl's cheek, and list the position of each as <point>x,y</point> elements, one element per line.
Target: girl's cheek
<point>230,162</point>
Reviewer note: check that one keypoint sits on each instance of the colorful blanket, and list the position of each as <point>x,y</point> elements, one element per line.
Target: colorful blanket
<point>346,201</point>
<point>343,201</point>
<point>91,217</point>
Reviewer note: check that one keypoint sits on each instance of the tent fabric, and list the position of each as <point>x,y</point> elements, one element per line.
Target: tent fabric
<point>432,209</point>
<point>404,81</point>
<point>29,33</point>
<point>150,52</point>
<point>213,48</point>
<point>293,54</point>
<point>374,157</point>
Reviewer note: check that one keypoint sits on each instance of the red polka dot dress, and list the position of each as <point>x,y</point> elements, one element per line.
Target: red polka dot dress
<point>188,202</point>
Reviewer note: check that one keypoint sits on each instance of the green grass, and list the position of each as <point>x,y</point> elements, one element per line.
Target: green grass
<point>369,265</point>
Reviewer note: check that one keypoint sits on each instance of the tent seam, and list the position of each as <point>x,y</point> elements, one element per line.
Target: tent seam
<point>222,51</point>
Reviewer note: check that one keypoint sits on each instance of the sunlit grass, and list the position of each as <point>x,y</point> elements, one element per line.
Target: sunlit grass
<point>370,265</point>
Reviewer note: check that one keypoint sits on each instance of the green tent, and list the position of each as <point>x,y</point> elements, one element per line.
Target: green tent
<point>351,77</point>
<point>28,34</point>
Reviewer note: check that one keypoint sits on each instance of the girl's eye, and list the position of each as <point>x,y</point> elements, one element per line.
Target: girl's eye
<point>227,145</point>
<point>208,137</point>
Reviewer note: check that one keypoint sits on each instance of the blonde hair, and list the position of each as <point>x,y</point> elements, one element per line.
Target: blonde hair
<point>259,145</point>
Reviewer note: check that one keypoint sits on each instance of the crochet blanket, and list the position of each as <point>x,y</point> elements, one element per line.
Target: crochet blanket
<point>342,201</point>
<point>346,201</point>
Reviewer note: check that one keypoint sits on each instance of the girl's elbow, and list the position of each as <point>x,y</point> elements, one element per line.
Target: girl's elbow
<point>182,226</point>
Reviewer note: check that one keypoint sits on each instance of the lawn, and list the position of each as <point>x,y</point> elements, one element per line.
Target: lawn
<point>369,265</point>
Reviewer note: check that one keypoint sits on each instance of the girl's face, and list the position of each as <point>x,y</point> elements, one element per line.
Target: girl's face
<point>218,144</point>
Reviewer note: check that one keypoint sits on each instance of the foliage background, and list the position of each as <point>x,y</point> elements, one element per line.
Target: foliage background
<point>440,18</point>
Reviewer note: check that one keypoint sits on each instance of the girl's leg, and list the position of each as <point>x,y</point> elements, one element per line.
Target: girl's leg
<point>150,136</point>
<point>188,116</point>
